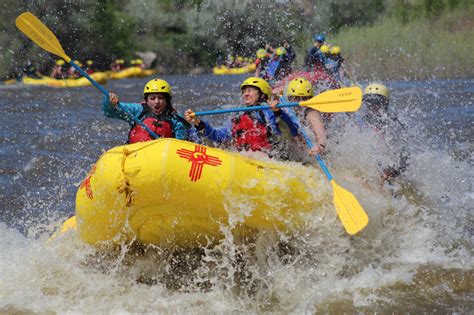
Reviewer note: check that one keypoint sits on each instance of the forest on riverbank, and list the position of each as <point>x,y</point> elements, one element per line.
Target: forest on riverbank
<point>379,38</point>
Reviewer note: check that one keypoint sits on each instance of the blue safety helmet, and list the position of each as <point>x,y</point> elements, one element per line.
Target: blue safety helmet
<point>319,38</point>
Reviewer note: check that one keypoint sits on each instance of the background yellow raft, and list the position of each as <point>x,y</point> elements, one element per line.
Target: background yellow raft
<point>131,72</point>
<point>100,77</point>
<point>170,192</point>
<point>221,70</point>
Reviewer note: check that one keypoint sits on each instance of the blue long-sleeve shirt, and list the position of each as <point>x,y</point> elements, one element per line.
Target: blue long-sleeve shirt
<point>333,67</point>
<point>224,133</point>
<point>130,110</point>
<point>314,57</point>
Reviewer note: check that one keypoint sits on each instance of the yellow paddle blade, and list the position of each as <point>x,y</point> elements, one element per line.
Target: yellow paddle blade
<point>32,27</point>
<point>69,224</point>
<point>336,101</point>
<point>349,210</point>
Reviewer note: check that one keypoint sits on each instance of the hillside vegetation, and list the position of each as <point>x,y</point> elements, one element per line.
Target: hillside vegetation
<point>429,47</point>
<point>381,38</point>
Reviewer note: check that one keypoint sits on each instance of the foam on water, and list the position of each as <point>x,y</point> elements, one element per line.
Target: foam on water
<point>274,273</point>
<point>415,254</point>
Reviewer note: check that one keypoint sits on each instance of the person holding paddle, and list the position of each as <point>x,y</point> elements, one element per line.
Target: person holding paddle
<point>349,210</point>
<point>315,59</point>
<point>261,63</point>
<point>299,90</point>
<point>58,71</point>
<point>335,55</point>
<point>376,116</point>
<point>156,112</point>
<point>253,131</point>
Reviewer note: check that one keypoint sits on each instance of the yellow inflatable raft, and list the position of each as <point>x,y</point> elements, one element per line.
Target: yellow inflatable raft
<point>100,77</point>
<point>220,70</point>
<point>170,192</point>
<point>131,72</point>
<point>9,82</point>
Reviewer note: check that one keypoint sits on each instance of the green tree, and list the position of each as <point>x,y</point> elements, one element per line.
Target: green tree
<point>110,32</point>
<point>351,13</point>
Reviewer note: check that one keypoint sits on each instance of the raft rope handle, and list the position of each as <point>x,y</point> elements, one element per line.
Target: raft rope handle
<point>124,186</point>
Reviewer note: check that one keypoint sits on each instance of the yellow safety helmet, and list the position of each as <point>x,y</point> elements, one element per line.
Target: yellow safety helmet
<point>259,83</point>
<point>280,51</point>
<point>324,49</point>
<point>138,61</point>
<point>60,62</point>
<point>335,50</point>
<point>133,61</point>
<point>261,53</point>
<point>299,87</point>
<point>157,86</point>
<point>240,58</point>
<point>89,62</point>
<point>77,62</point>
<point>377,89</point>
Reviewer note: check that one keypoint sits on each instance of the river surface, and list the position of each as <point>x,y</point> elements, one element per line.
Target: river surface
<point>414,256</point>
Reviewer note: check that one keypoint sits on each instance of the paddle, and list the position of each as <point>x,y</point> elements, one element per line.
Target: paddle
<point>332,101</point>
<point>39,33</point>
<point>349,210</point>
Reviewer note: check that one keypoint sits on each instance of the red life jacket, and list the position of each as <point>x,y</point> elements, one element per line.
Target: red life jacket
<point>250,134</point>
<point>161,128</point>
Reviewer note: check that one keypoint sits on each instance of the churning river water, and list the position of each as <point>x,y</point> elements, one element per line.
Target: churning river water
<point>414,256</point>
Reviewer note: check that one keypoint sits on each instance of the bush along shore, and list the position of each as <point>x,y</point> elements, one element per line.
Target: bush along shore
<point>435,47</point>
<point>379,38</point>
